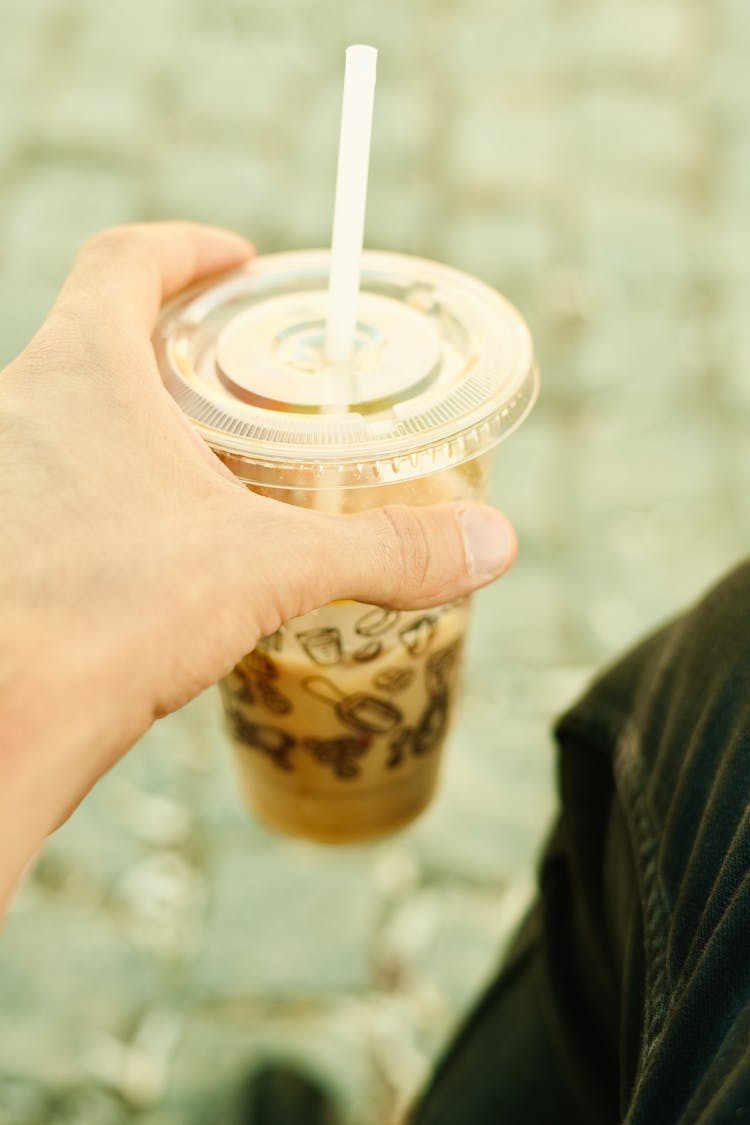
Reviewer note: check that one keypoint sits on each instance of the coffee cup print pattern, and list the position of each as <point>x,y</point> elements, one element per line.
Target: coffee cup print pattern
<point>362,712</point>
<point>323,646</point>
<point>359,694</point>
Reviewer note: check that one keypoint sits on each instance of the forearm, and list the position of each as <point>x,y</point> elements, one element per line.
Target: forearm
<point>60,729</point>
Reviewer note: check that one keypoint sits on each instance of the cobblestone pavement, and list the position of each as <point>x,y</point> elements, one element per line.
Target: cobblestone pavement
<point>591,158</point>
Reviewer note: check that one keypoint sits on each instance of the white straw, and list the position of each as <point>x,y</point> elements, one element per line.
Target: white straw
<point>349,208</point>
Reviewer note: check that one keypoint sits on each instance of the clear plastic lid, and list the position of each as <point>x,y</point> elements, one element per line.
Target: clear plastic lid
<point>443,370</point>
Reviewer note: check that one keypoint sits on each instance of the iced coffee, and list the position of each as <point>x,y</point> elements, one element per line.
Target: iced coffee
<point>338,720</point>
<point>338,727</point>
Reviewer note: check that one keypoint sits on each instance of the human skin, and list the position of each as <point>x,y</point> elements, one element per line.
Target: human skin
<point>135,570</point>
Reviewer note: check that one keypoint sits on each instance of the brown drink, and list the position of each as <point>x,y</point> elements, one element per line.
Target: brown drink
<point>338,719</point>
<point>345,750</point>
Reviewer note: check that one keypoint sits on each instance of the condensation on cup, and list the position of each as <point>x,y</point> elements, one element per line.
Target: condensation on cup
<point>338,720</point>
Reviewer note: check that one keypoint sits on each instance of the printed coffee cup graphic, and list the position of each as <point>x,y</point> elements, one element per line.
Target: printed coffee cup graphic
<point>241,685</point>
<point>398,746</point>
<point>432,725</point>
<point>258,664</point>
<point>269,740</point>
<point>323,646</point>
<point>339,753</point>
<point>393,680</point>
<point>261,672</point>
<point>376,621</point>
<point>417,636</point>
<point>271,698</point>
<point>274,642</point>
<point>359,711</point>
<point>441,666</point>
<point>367,652</point>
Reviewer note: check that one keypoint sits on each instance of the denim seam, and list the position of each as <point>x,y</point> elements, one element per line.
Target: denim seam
<point>629,775</point>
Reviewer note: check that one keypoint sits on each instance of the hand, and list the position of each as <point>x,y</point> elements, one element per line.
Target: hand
<point>135,570</point>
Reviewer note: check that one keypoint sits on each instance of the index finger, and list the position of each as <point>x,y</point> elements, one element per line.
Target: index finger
<point>125,272</point>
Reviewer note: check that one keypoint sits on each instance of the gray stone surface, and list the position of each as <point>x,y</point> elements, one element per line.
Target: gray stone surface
<point>592,161</point>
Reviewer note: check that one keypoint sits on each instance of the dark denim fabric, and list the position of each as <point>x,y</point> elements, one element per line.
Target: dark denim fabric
<point>626,995</point>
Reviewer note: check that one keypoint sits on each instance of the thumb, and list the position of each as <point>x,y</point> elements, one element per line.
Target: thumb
<point>410,558</point>
<point>395,556</point>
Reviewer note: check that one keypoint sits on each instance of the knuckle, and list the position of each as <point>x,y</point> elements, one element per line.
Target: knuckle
<point>408,546</point>
<point>108,238</point>
<point>124,242</point>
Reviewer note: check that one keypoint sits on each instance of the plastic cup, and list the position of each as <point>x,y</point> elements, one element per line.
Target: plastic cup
<point>338,720</point>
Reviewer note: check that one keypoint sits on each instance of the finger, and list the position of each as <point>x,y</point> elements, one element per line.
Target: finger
<point>124,273</point>
<point>400,557</point>
<point>408,557</point>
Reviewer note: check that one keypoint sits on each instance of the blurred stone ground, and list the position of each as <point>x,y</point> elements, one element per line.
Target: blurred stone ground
<point>591,158</point>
